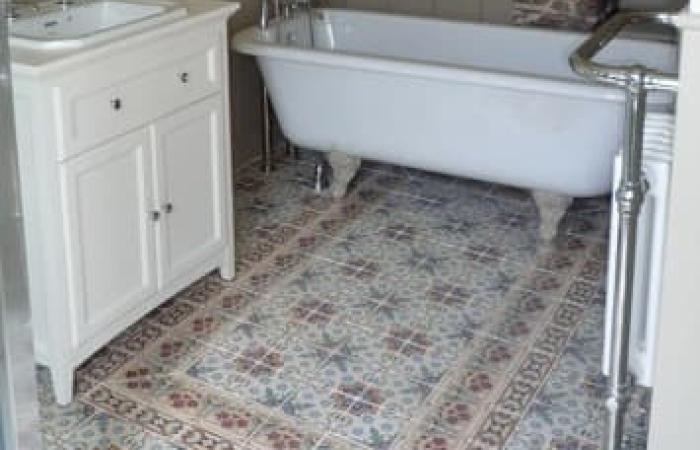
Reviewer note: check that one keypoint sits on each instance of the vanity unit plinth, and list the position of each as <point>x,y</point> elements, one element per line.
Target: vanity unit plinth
<point>125,160</point>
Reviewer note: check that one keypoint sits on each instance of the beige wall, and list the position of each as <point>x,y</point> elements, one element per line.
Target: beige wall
<point>245,91</point>
<point>487,10</point>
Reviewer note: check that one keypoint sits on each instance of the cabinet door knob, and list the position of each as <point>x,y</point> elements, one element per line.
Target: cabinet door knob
<point>116,103</point>
<point>155,215</point>
<point>184,77</point>
<point>168,208</point>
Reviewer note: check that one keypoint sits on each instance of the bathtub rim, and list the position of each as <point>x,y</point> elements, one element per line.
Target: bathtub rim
<point>255,42</point>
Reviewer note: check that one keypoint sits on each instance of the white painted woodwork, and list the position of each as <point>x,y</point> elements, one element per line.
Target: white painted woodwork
<point>189,179</point>
<point>94,172</point>
<point>110,249</point>
<point>84,103</point>
<point>674,416</point>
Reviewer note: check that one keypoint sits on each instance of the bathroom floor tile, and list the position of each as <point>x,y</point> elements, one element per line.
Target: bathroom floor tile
<point>419,312</point>
<point>104,431</point>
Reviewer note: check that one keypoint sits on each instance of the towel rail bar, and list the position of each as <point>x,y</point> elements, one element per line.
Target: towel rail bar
<point>637,80</point>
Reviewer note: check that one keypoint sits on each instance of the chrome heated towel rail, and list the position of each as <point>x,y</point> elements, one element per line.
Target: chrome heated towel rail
<point>637,81</point>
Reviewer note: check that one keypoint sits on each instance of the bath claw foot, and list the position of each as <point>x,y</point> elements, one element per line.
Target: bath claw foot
<point>345,168</point>
<point>552,208</point>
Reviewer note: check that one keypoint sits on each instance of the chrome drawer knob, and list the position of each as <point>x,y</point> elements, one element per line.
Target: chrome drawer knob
<point>155,215</point>
<point>116,103</point>
<point>184,77</point>
<point>168,208</point>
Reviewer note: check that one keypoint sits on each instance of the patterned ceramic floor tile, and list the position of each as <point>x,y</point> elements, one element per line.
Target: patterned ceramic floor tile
<point>419,312</point>
<point>219,369</point>
<point>49,442</point>
<point>396,393</point>
<point>153,442</point>
<point>367,425</point>
<point>258,329</point>
<point>520,316</point>
<point>176,351</point>
<point>234,302</point>
<point>314,405</point>
<point>570,411</point>
<point>172,312</point>
<point>103,431</point>
<point>283,435</point>
<point>141,378</point>
<point>57,420</point>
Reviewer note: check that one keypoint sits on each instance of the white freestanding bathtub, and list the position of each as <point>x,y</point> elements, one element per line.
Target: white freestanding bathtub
<point>483,101</point>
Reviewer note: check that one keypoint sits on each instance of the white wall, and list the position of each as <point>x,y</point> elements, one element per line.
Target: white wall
<point>675,418</point>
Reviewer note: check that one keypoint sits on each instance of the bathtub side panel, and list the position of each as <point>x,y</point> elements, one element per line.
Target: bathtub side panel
<point>513,136</point>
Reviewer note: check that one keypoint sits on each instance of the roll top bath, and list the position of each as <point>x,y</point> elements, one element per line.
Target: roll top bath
<point>510,110</point>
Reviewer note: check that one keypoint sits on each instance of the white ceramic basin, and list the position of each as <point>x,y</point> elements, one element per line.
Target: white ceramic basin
<point>88,23</point>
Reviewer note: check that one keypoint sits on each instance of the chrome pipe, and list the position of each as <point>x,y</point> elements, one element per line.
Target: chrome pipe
<point>581,60</point>
<point>637,80</point>
<point>267,133</point>
<point>292,150</point>
<point>264,14</point>
<point>629,197</point>
<point>267,12</point>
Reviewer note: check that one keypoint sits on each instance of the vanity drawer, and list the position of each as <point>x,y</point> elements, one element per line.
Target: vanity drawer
<point>89,115</point>
<point>164,89</point>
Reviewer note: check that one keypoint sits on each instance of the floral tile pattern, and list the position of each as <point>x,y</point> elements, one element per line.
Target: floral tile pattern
<point>417,313</point>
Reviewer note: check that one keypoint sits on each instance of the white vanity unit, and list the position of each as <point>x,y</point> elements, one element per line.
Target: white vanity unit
<point>125,162</point>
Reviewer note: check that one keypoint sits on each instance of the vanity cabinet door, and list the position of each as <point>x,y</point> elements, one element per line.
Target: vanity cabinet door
<point>189,187</point>
<point>107,197</point>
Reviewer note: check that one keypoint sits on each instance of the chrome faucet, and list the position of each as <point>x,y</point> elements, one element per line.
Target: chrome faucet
<point>267,12</point>
<point>280,9</point>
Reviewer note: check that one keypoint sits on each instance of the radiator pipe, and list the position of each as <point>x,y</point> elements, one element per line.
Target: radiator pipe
<point>629,197</point>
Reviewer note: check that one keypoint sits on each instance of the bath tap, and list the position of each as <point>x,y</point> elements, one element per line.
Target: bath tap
<point>292,6</point>
<point>275,9</point>
<point>285,9</point>
<point>265,12</point>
